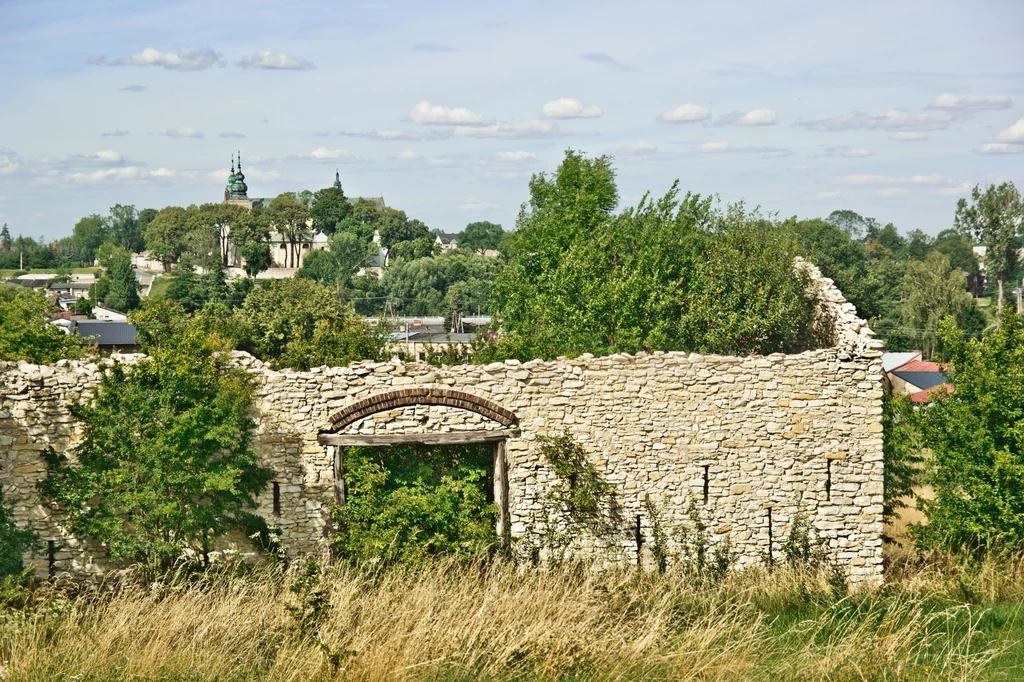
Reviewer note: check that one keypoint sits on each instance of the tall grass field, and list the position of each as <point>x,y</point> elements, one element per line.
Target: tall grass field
<point>457,621</point>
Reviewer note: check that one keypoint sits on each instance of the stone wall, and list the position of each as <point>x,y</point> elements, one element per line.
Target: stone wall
<point>775,436</point>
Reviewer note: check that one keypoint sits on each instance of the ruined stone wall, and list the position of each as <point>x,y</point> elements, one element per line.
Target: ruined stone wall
<point>778,435</point>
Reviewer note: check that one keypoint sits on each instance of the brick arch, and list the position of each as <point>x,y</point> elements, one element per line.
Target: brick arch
<point>389,400</point>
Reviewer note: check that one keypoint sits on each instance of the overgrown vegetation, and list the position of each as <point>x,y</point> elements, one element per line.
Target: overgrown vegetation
<point>167,463</point>
<point>25,333</point>
<point>408,504</point>
<point>974,436</point>
<point>446,621</point>
<point>672,273</point>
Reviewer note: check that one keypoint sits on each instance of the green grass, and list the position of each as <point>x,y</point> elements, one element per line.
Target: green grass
<point>5,273</point>
<point>160,285</point>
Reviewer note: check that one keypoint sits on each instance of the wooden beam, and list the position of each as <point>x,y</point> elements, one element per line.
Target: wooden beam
<point>446,438</point>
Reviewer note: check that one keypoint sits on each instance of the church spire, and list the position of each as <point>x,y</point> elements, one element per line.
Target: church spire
<point>337,179</point>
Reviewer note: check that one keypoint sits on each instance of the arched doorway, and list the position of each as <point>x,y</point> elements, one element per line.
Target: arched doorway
<point>336,438</point>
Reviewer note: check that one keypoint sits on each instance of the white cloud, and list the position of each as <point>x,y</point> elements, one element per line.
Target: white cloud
<point>516,156</point>
<point>107,175</point>
<point>1014,134</point>
<point>231,133</point>
<point>105,157</point>
<point>890,192</point>
<point>440,161</point>
<point>908,137</point>
<point>276,61</point>
<point>185,59</point>
<point>183,131</point>
<point>398,135</point>
<point>729,148</point>
<point>1001,148</point>
<point>685,113</point>
<point>896,119</point>
<point>970,102</point>
<point>510,130</point>
<point>325,154</point>
<point>408,155</point>
<point>637,149</point>
<point>10,162</point>
<point>848,152</point>
<point>566,107</point>
<point>757,117</point>
<point>892,120</point>
<point>829,195</point>
<point>477,206</point>
<point>435,114</point>
<point>870,179</point>
<point>960,190</point>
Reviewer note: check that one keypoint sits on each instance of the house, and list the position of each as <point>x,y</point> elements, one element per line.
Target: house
<point>75,290</point>
<point>105,314</point>
<point>447,242</point>
<point>108,336</point>
<point>908,374</point>
<point>30,282</point>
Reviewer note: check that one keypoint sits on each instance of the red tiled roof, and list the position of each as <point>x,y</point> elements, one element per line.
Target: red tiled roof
<point>917,366</point>
<point>923,397</point>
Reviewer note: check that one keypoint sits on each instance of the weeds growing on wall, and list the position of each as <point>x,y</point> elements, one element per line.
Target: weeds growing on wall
<point>580,490</point>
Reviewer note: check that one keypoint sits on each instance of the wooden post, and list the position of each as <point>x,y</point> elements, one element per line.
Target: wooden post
<point>501,488</point>
<point>339,476</point>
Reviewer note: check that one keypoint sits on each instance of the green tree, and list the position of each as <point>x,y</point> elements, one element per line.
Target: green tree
<point>166,235</point>
<point>5,238</point>
<point>124,228</point>
<point>961,256</point>
<point>124,287</point>
<point>299,323</point>
<point>932,290</point>
<point>395,227</point>
<point>994,219</point>
<point>289,218</point>
<point>167,464</point>
<point>256,257</point>
<point>146,216</point>
<point>88,234</point>
<point>321,267</point>
<point>26,332</point>
<point>481,235</point>
<point>216,222</point>
<point>669,274</point>
<point>330,208</point>
<point>186,287</point>
<point>975,437</point>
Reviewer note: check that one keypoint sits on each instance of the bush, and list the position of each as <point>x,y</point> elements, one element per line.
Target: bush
<point>406,504</point>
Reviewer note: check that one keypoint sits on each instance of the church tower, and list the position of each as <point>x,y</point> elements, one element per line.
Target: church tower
<point>337,179</point>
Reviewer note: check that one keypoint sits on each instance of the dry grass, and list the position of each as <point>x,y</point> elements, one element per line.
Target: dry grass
<point>451,622</point>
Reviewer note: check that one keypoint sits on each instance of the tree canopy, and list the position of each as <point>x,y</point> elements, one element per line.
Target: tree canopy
<point>975,437</point>
<point>670,274</point>
<point>167,463</point>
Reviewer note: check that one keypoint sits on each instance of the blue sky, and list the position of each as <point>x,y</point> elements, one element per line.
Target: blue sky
<point>892,109</point>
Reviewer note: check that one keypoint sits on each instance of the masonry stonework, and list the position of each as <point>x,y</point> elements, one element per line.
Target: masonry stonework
<point>767,438</point>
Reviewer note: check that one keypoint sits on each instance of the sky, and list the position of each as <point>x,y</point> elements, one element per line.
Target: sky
<point>893,109</point>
